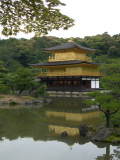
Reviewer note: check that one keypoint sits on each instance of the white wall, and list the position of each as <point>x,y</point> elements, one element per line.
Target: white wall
<point>94,84</point>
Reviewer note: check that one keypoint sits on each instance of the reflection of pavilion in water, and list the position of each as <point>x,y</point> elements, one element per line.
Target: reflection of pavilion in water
<point>64,118</point>
<point>72,117</point>
<point>68,113</point>
<point>60,129</point>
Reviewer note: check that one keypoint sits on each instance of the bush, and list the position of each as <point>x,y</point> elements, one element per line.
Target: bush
<point>115,119</point>
<point>41,91</point>
<point>13,103</point>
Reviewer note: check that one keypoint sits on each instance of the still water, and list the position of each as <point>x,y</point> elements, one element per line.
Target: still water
<point>34,133</point>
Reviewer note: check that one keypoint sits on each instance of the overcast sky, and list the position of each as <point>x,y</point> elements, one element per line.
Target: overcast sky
<point>91,17</point>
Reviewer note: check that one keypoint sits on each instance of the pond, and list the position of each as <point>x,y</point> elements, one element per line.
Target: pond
<point>33,133</point>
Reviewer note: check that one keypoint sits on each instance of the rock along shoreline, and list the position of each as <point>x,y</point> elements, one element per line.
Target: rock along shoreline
<point>102,134</point>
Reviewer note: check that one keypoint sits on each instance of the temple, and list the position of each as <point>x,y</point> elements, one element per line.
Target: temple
<point>69,69</point>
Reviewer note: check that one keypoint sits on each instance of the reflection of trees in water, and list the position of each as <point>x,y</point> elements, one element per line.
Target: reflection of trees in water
<point>108,155</point>
<point>117,152</point>
<point>24,122</point>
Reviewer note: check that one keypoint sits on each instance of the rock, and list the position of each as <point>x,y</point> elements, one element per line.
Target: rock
<point>64,134</point>
<point>83,129</point>
<point>101,134</point>
<point>115,142</point>
<point>88,134</point>
<point>47,100</point>
<point>1,102</point>
<point>10,100</point>
<point>28,102</point>
<point>37,101</point>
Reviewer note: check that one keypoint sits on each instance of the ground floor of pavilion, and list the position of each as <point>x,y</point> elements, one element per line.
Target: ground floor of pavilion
<point>71,83</point>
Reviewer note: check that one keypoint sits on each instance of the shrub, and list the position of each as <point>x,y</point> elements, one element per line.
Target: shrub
<point>115,119</point>
<point>41,91</point>
<point>13,103</point>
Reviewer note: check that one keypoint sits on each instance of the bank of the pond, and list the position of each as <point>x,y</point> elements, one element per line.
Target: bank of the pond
<point>21,100</point>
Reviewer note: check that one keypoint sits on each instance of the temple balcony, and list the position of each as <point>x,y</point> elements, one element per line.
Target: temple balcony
<point>52,74</point>
<point>53,59</point>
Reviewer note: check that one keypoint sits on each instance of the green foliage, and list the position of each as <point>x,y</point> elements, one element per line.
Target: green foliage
<point>2,88</point>
<point>3,70</point>
<point>37,16</point>
<point>13,103</point>
<point>41,91</point>
<point>112,78</point>
<point>24,79</point>
<point>105,99</point>
<point>112,138</point>
<point>115,119</point>
<point>8,81</point>
<point>101,59</point>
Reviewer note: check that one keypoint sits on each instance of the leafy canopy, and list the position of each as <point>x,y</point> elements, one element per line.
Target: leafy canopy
<point>39,16</point>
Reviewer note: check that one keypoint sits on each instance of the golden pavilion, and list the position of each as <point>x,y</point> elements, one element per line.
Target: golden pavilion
<point>69,69</point>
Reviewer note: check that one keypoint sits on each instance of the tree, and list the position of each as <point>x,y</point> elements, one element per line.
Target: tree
<point>3,70</point>
<point>108,104</point>
<point>8,82</point>
<point>41,91</point>
<point>39,16</point>
<point>24,79</point>
<point>108,100</point>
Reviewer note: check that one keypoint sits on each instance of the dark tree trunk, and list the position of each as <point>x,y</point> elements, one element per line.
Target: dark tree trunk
<point>20,92</point>
<point>107,114</point>
<point>107,156</point>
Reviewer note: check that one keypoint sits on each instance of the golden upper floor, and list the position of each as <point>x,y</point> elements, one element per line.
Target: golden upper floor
<point>69,51</point>
<point>63,68</point>
<point>69,56</point>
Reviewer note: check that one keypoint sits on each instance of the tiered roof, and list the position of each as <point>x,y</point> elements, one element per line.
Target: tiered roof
<point>58,63</point>
<point>69,45</point>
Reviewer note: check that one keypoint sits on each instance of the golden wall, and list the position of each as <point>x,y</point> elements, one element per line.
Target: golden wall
<point>86,70</point>
<point>70,55</point>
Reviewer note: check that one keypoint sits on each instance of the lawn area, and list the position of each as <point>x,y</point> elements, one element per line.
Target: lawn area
<point>18,99</point>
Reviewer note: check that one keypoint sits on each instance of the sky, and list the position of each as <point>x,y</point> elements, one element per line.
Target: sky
<point>91,17</point>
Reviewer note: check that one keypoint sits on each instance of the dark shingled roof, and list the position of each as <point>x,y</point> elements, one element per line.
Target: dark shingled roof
<point>69,45</point>
<point>63,63</point>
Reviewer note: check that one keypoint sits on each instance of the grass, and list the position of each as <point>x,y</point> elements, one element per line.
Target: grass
<point>1,96</point>
<point>28,97</point>
<point>18,99</point>
<point>112,138</point>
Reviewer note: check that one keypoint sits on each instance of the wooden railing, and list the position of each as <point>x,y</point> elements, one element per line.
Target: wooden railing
<point>52,59</point>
